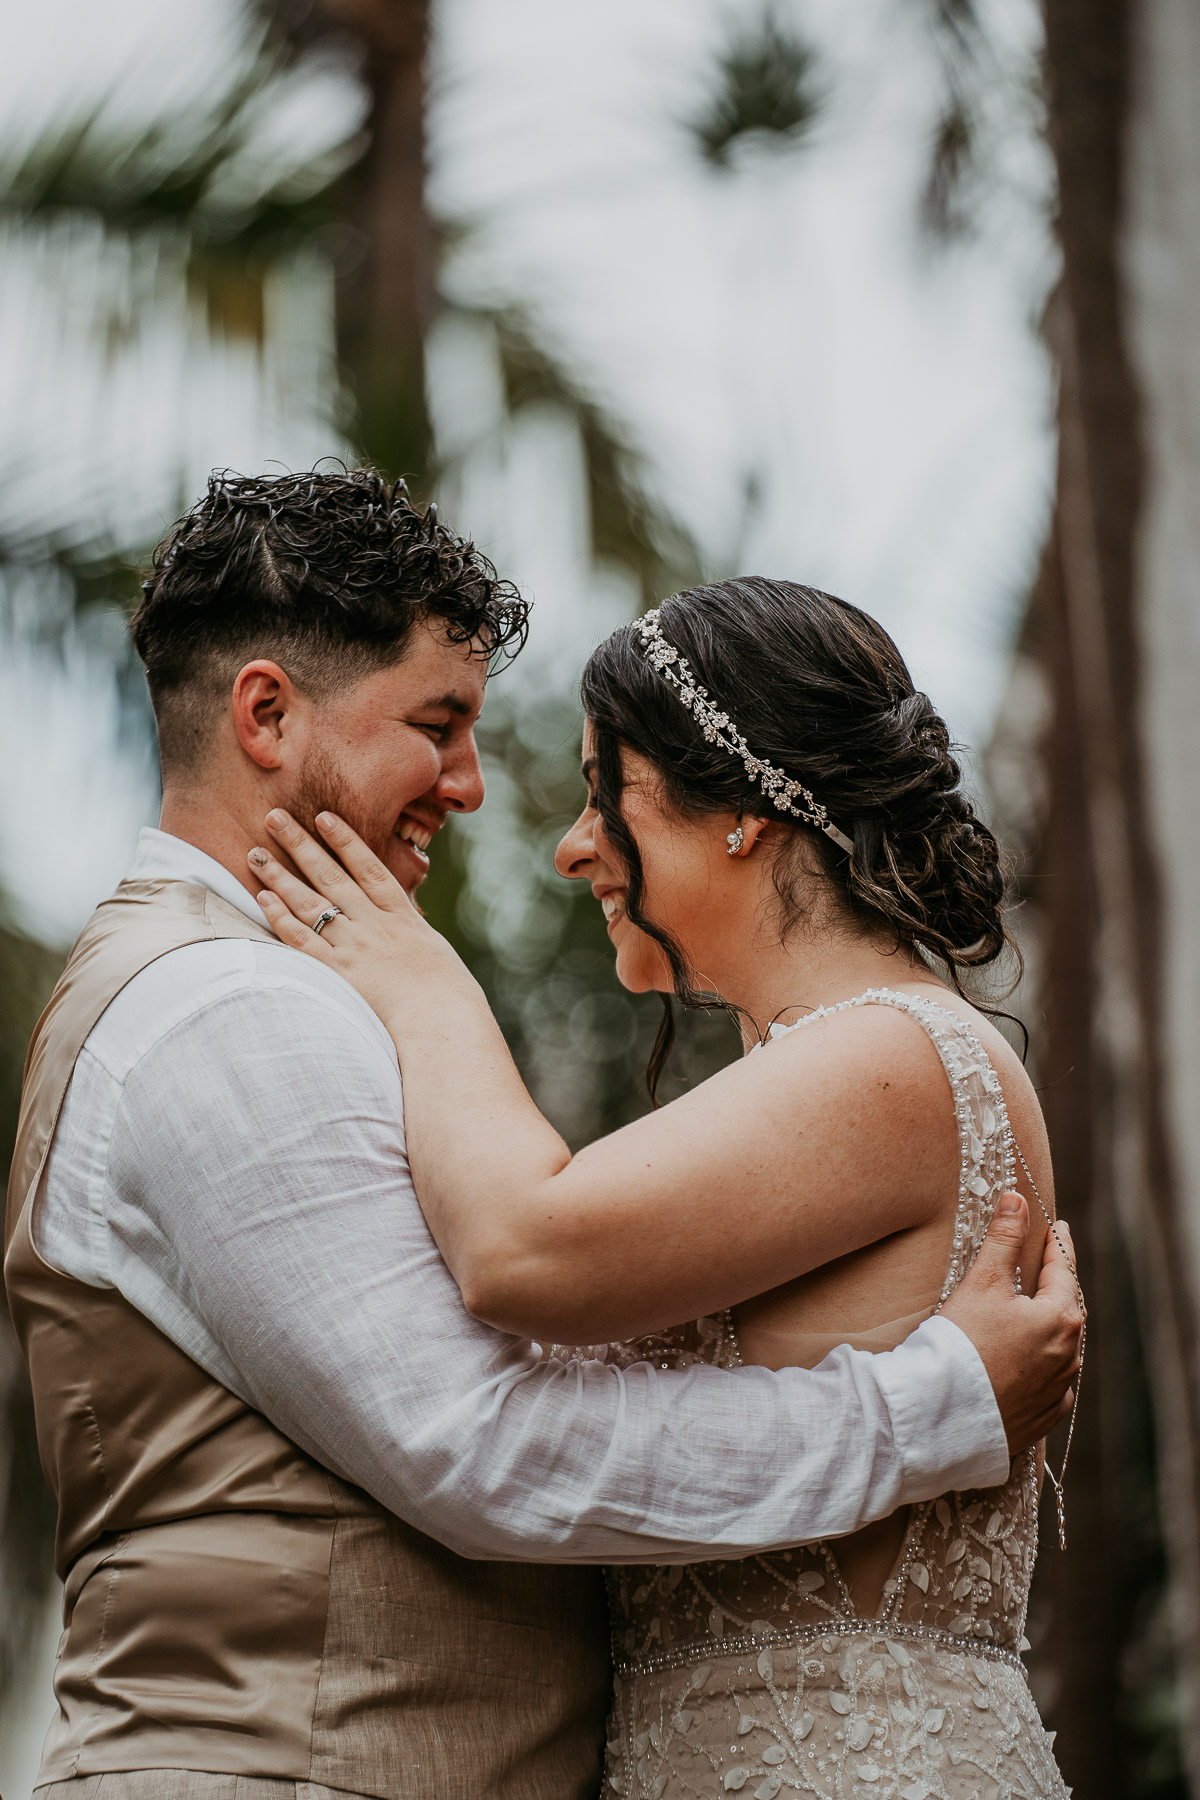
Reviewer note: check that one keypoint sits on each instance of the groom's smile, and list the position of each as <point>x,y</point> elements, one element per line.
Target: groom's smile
<point>414,834</point>
<point>418,837</point>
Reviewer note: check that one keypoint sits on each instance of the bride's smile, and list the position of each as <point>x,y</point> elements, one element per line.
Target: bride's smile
<point>612,904</point>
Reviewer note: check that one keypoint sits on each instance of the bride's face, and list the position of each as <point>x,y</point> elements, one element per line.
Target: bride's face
<point>686,874</point>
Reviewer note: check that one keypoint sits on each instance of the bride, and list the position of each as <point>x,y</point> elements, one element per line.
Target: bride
<point>773,816</point>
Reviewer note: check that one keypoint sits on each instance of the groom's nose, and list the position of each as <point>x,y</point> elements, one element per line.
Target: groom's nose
<point>460,785</point>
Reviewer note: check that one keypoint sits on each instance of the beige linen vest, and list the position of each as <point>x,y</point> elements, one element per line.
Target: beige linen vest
<point>230,1604</point>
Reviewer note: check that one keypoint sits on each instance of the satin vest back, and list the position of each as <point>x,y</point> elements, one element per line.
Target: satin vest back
<point>231,1605</point>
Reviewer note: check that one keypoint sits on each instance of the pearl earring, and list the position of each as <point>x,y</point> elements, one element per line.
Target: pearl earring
<point>735,840</point>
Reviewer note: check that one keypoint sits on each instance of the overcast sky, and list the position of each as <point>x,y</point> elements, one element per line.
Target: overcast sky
<point>781,324</point>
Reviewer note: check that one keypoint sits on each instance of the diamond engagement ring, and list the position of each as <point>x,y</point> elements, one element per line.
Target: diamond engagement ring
<point>322,919</point>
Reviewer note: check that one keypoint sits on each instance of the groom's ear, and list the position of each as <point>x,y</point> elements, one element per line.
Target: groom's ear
<point>266,703</point>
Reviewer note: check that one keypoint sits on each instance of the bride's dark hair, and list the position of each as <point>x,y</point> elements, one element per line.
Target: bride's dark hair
<point>817,688</point>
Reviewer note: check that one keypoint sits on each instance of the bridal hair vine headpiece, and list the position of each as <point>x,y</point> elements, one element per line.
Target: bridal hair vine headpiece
<point>718,728</point>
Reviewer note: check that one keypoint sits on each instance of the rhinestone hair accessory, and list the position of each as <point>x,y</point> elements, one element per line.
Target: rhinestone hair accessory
<point>718,728</point>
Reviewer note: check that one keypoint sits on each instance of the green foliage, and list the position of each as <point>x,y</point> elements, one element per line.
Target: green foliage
<point>944,213</point>
<point>195,186</point>
<point>764,87</point>
<point>954,151</point>
<point>200,167</point>
<point>980,99</point>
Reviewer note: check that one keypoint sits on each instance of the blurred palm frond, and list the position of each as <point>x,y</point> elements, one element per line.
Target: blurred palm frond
<point>765,87</point>
<point>197,186</point>
<point>952,162</point>
<point>955,168</point>
<point>628,525</point>
<point>96,571</point>
<point>206,176</point>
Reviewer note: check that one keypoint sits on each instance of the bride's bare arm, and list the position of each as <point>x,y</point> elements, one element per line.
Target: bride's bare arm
<point>761,1174</point>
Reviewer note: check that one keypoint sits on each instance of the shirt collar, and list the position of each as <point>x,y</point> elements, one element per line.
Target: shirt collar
<point>161,857</point>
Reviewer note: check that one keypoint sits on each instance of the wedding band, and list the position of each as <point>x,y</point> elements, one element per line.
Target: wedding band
<point>322,919</point>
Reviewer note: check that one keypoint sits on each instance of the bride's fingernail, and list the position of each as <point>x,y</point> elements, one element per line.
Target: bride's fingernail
<point>277,820</point>
<point>258,858</point>
<point>325,819</point>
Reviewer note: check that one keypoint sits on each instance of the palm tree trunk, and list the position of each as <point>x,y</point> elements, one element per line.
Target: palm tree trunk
<point>1104,845</point>
<point>1161,267</point>
<point>1076,1654</point>
<point>388,292</point>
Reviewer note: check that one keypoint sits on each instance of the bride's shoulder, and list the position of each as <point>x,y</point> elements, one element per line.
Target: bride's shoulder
<point>905,1022</point>
<point>900,1043</point>
<point>882,1043</point>
<point>992,1041</point>
<point>1020,1096</point>
<point>859,1091</point>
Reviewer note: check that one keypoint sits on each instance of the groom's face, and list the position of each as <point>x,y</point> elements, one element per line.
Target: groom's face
<point>394,753</point>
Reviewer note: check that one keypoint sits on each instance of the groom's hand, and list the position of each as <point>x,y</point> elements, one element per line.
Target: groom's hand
<point>1029,1346</point>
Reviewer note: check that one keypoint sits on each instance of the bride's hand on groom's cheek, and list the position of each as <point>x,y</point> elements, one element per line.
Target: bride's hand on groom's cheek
<point>349,912</point>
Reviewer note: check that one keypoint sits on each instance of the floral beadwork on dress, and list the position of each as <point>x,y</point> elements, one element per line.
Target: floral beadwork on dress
<point>761,1677</point>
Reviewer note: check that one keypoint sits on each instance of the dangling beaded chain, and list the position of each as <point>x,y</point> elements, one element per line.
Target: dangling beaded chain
<point>1056,1481</point>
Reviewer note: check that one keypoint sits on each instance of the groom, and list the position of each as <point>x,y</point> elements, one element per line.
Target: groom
<point>320,1531</point>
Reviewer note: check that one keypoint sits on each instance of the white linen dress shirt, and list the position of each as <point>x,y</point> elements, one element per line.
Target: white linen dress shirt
<point>230,1157</point>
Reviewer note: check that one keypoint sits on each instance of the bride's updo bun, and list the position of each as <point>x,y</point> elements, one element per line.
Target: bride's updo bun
<point>817,688</point>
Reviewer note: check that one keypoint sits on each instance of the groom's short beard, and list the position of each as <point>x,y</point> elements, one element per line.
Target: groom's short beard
<point>321,788</point>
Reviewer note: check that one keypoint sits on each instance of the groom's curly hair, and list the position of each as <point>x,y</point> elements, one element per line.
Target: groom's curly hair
<point>325,572</point>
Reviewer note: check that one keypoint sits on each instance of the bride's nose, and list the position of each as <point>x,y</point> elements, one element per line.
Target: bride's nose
<point>576,849</point>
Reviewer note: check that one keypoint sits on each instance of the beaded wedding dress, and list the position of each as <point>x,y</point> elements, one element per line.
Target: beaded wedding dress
<point>762,1678</point>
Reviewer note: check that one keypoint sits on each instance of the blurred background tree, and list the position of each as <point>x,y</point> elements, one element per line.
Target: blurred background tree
<point>1091,774</point>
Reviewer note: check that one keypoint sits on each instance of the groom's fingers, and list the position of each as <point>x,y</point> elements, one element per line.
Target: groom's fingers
<point>327,876</point>
<point>1058,1264</point>
<point>1029,1346</point>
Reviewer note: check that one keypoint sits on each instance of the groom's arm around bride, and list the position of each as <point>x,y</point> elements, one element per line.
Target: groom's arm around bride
<point>273,1432</point>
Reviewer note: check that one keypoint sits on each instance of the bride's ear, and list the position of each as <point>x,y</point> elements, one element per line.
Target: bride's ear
<point>746,834</point>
